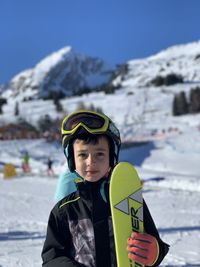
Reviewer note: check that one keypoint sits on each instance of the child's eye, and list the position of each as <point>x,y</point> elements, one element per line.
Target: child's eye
<point>82,155</point>
<point>100,154</point>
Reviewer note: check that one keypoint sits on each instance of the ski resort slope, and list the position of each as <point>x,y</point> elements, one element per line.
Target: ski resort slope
<point>170,172</point>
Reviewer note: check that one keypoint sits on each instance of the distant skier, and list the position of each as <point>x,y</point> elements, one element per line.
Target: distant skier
<point>25,163</point>
<point>50,171</point>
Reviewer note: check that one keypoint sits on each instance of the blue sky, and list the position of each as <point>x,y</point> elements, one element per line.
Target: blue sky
<point>114,30</point>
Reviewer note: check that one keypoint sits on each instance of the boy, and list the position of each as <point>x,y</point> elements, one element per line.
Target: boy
<point>79,230</point>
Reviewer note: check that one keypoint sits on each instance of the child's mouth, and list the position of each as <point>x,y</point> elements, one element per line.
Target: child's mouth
<point>92,172</point>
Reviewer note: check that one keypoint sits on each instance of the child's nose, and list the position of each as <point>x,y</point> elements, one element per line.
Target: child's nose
<point>91,159</point>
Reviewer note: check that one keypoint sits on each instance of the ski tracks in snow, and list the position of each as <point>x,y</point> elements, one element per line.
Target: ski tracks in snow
<point>24,207</point>
<point>178,220</point>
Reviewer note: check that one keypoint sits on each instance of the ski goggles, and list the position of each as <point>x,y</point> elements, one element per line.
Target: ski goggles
<point>91,121</point>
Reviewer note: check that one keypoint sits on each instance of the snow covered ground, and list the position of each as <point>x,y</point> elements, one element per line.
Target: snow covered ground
<point>169,164</point>
<point>171,173</point>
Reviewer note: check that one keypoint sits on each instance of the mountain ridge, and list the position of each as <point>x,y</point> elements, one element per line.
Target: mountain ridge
<point>138,103</point>
<point>63,72</point>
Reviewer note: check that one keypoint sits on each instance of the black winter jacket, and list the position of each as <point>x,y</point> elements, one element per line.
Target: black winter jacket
<point>80,233</point>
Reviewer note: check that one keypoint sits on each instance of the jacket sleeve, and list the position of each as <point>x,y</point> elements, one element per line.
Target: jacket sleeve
<point>57,245</point>
<point>151,229</point>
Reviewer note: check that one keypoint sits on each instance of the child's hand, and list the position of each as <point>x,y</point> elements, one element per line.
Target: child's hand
<point>143,248</point>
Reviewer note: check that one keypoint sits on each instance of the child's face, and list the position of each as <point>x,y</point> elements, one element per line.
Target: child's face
<point>92,160</point>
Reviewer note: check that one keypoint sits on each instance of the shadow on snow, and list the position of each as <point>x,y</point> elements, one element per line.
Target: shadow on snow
<point>179,229</point>
<point>136,153</point>
<point>185,265</point>
<point>20,235</point>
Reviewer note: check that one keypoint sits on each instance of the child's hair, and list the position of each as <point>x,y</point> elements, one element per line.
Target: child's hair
<point>88,138</point>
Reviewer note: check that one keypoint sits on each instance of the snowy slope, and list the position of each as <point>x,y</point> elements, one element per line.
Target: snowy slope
<point>171,193</point>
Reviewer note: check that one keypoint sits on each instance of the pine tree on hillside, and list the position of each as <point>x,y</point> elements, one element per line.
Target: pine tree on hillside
<point>195,100</point>
<point>16,109</point>
<point>3,101</point>
<point>180,105</point>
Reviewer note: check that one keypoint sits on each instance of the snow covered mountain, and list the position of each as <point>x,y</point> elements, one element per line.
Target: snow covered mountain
<point>183,60</point>
<point>63,73</point>
<point>146,89</point>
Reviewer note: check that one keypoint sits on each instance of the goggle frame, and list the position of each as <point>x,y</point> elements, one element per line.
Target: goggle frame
<point>100,130</point>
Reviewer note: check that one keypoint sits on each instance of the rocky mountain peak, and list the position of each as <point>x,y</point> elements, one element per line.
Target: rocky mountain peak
<point>63,73</point>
